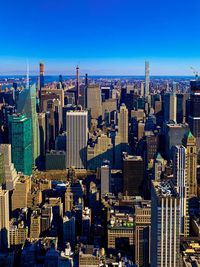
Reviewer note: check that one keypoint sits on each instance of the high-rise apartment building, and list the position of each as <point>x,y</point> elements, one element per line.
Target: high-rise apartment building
<point>20,138</point>
<point>181,177</point>
<point>4,219</point>
<point>189,141</point>
<point>77,138</point>
<point>165,225</point>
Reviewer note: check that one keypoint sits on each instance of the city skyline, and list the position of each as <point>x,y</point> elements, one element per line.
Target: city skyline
<point>119,39</point>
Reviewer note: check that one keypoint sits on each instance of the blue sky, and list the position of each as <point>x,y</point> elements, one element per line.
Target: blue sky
<point>102,36</point>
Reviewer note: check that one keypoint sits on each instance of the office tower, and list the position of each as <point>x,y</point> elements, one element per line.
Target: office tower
<point>4,219</point>
<point>194,111</point>
<point>68,199</point>
<point>170,107</point>
<point>94,101</point>
<point>158,166</point>
<point>2,171</point>
<point>49,95</point>
<point>174,134</point>
<point>42,131</point>
<point>147,79</point>
<point>27,105</point>
<point>143,233</point>
<point>142,89</point>
<point>151,146</point>
<point>105,178</point>
<point>180,175</point>
<point>77,85</point>
<point>86,224</point>
<point>189,141</point>
<point>86,87</point>
<point>20,138</point>
<point>10,175</point>
<point>20,194</point>
<point>181,107</point>
<point>69,233</point>
<point>165,224</point>
<point>123,125</point>
<point>35,227</point>
<point>77,138</point>
<point>133,172</point>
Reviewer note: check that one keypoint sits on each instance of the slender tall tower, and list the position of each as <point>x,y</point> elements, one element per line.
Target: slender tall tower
<point>180,174</point>
<point>77,84</point>
<point>4,219</point>
<point>86,86</point>
<point>123,124</point>
<point>189,141</point>
<point>41,75</point>
<point>147,79</point>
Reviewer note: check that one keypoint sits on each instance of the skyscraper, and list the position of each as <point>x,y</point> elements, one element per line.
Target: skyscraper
<point>41,76</point>
<point>94,101</point>
<point>133,172</point>
<point>77,137</point>
<point>170,107</point>
<point>142,233</point>
<point>147,79</point>
<point>4,219</point>
<point>27,105</point>
<point>189,141</point>
<point>123,124</point>
<point>10,175</point>
<point>180,174</point>
<point>20,138</point>
<point>194,111</point>
<point>105,178</point>
<point>77,85</point>
<point>165,225</point>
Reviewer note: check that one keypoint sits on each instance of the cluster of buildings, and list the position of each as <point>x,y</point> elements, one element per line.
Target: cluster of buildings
<point>100,173</point>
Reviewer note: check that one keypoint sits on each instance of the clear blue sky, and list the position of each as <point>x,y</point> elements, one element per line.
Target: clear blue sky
<point>102,36</point>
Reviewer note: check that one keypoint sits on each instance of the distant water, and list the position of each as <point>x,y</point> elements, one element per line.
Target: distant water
<point>21,80</point>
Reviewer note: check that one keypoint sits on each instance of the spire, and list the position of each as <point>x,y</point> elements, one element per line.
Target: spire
<point>27,74</point>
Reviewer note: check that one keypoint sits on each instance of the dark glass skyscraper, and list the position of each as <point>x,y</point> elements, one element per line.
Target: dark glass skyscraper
<point>194,110</point>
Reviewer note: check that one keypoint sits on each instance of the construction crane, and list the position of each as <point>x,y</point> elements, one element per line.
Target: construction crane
<point>196,73</point>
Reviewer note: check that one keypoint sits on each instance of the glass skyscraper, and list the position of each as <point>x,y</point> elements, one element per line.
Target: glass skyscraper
<point>20,138</point>
<point>27,105</point>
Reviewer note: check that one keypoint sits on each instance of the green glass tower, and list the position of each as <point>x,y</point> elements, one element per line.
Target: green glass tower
<point>27,105</point>
<point>20,138</point>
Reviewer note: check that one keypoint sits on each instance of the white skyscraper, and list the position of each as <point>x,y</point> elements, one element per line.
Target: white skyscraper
<point>77,138</point>
<point>180,174</point>
<point>165,224</point>
<point>4,219</point>
<point>147,79</point>
<point>10,173</point>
